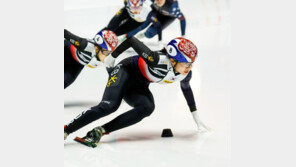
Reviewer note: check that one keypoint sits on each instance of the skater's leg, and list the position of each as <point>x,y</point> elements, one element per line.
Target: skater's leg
<point>122,23</point>
<point>128,26</point>
<point>151,31</point>
<point>111,100</point>
<point>164,22</point>
<point>143,103</point>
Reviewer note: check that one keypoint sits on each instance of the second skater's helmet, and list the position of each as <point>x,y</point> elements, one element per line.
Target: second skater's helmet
<point>135,4</point>
<point>107,40</point>
<point>181,50</point>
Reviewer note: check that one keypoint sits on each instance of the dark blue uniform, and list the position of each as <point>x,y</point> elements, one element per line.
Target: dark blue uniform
<point>161,17</point>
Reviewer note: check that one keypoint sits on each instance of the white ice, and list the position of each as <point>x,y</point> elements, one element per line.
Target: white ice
<point>208,25</point>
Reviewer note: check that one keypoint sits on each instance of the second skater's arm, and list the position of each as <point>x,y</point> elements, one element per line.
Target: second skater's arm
<point>83,49</point>
<point>150,57</point>
<point>78,42</point>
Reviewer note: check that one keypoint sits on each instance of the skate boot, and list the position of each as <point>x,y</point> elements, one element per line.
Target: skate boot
<point>92,137</point>
<point>65,134</point>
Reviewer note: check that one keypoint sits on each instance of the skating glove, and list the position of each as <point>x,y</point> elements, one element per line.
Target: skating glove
<point>109,61</point>
<point>200,125</point>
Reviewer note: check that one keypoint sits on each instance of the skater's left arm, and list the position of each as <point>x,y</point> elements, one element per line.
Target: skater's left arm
<point>188,94</point>
<point>175,10</point>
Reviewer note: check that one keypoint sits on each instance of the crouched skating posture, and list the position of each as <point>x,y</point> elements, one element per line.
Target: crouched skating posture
<point>129,80</point>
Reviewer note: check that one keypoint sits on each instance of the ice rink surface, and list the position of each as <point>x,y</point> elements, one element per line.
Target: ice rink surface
<point>208,26</point>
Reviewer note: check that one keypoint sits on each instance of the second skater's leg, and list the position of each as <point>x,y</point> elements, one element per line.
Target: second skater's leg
<point>110,102</point>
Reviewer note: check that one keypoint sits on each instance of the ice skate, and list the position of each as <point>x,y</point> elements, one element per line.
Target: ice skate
<point>92,137</point>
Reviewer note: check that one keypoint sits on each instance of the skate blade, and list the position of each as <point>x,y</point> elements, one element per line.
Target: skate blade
<point>85,142</point>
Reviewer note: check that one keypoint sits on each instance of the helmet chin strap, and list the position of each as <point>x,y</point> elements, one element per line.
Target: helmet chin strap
<point>175,72</point>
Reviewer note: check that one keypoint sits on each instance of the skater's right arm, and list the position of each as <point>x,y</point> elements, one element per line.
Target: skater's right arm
<point>150,57</point>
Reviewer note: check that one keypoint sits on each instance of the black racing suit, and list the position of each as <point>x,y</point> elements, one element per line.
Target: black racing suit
<point>71,67</point>
<point>162,18</point>
<point>76,55</point>
<point>122,23</point>
<point>127,82</point>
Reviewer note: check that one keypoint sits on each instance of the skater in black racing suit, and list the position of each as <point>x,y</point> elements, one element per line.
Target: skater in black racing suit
<point>129,80</point>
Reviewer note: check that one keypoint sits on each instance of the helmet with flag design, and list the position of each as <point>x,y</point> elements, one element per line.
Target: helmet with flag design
<point>106,39</point>
<point>182,50</point>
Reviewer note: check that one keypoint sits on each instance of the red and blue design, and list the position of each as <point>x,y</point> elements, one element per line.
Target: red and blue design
<point>106,39</point>
<point>182,50</point>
